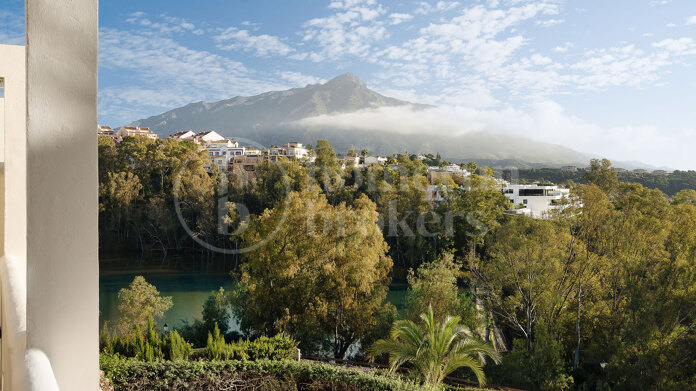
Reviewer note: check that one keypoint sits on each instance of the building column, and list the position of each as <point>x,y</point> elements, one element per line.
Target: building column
<point>14,214</point>
<point>62,185</point>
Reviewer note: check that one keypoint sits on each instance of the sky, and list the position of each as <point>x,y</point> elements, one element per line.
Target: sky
<point>614,78</point>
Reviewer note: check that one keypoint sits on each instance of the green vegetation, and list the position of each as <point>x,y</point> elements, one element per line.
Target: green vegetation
<point>311,281</point>
<point>147,346</point>
<point>262,348</point>
<point>435,350</point>
<point>670,183</point>
<point>600,296</point>
<point>139,304</point>
<point>134,375</point>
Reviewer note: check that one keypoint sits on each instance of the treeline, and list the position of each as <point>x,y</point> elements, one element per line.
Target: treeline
<point>670,184</point>
<point>600,296</point>
<point>155,195</point>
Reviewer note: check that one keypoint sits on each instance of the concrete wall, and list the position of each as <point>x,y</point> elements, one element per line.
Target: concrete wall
<point>62,184</point>
<point>12,69</point>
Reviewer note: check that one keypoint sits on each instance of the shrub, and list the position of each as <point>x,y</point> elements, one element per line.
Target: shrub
<point>147,347</point>
<point>175,348</point>
<point>274,348</point>
<point>131,375</point>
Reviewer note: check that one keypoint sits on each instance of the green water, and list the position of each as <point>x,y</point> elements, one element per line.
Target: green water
<point>187,279</point>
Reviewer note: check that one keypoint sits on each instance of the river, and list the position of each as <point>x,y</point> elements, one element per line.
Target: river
<point>187,279</point>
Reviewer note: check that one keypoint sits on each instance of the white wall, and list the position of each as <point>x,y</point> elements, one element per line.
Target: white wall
<point>12,69</point>
<point>62,225</point>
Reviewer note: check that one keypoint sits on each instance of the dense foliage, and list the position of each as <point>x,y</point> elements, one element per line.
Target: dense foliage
<point>435,349</point>
<point>323,273</point>
<point>146,346</point>
<point>262,348</point>
<point>602,295</point>
<point>132,375</point>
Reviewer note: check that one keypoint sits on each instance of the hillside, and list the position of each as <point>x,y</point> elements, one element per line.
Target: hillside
<point>277,117</point>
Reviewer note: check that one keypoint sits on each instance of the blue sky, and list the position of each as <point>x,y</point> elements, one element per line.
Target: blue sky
<point>612,77</point>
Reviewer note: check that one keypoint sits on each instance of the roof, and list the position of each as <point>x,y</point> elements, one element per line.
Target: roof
<point>180,133</point>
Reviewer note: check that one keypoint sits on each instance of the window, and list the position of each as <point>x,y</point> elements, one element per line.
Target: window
<point>524,201</point>
<point>531,192</point>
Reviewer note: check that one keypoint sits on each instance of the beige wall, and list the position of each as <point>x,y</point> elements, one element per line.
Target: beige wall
<point>12,69</point>
<point>62,259</point>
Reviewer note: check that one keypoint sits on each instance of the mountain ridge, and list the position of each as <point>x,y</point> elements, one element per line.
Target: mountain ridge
<point>273,117</point>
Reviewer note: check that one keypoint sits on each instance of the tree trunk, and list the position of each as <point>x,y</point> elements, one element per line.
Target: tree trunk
<point>576,360</point>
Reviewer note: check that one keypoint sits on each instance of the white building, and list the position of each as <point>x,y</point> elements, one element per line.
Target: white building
<point>207,137</point>
<point>535,200</point>
<point>292,150</point>
<point>106,131</point>
<point>221,152</point>
<point>134,131</point>
<point>186,135</point>
<point>374,160</point>
<point>440,174</point>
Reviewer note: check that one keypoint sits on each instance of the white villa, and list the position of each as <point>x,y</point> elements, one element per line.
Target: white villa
<point>374,160</point>
<point>207,137</point>
<point>186,135</point>
<point>221,152</point>
<point>293,150</point>
<point>132,131</point>
<point>438,174</point>
<point>106,131</point>
<point>535,200</point>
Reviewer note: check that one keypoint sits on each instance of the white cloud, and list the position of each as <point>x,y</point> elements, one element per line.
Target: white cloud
<point>168,25</point>
<point>563,48</point>
<point>156,72</point>
<point>350,31</point>
<point>544,121</point>
<point>425,8</point>
<point>549,22</point>
<point>538,59</point>
<point>681,46</point>
<point>398,18</point>
<point>263,45</point>
<point>691,20</point>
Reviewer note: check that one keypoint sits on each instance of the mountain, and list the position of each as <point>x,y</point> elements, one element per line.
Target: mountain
<point>277,117</point>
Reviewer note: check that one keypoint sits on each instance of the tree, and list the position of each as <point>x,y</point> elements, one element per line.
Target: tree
<point>138,302</point>
<point>321,274</point>
<point>435,349</point>
<point>686,196</point>
<point>527,274</point>
<point>602,174</point>
<point>216,311</point>
<point>434,285</point>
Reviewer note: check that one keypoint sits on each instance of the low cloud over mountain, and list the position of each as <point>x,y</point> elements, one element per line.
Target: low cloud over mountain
<point>350,115</point>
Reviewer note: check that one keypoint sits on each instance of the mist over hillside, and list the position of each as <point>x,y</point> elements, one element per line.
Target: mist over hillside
<point>350,115</point>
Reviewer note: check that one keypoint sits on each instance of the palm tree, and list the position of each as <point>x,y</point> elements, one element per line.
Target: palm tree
<point>436,349</point>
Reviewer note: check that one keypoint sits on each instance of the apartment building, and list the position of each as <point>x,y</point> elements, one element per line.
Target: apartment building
<point>134,131</point>
<point>444,174</point>
<point>106,131</point>
<point>292,150</point>
<point>207,137</point>
<point>246,165</point>
<point>535,200</point>
<point>186,135</point>
<point>368,160</point>
<point>222,151</point>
